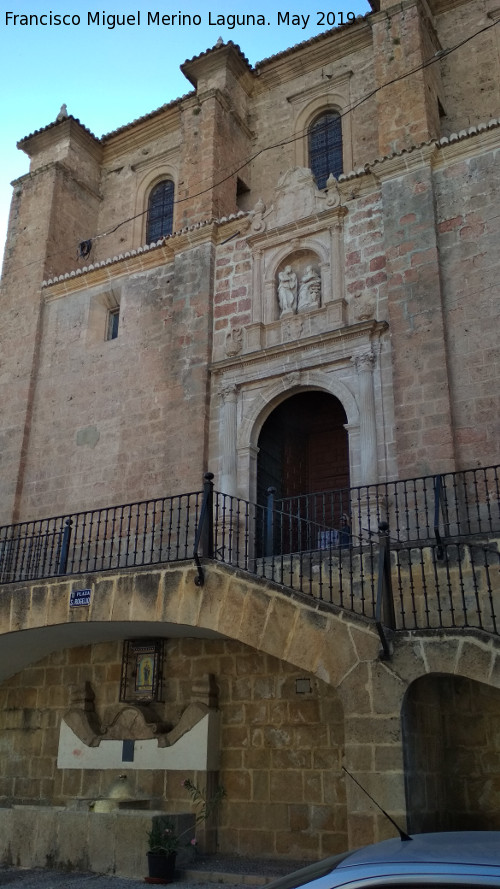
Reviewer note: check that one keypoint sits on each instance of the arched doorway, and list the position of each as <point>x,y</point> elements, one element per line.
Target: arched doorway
<point>304,455</point>
<point>452,759</point>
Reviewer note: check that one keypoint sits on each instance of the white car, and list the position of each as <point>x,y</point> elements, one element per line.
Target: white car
<point>430,860</point>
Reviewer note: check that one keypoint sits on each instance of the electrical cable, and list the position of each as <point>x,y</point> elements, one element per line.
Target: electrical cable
<point>438,57</point>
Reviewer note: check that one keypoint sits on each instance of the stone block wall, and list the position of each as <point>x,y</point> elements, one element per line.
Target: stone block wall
<point>470,74</point>
<point>281,744</point>
<point>52,837</point>
<point>452,755</point>
<point>467,193</point>
<point>117,417</point>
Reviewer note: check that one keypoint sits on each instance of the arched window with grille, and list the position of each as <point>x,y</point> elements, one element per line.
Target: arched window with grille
<point>325,147</point>
<point>160,211</point>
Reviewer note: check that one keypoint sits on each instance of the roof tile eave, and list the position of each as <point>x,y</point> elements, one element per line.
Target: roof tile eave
<point>56,123</point>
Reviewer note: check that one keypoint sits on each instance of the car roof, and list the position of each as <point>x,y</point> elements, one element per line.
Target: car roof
<point>457,847</point>
<point>430,853</point>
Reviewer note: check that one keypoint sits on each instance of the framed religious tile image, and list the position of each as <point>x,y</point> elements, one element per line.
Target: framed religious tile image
<point>142,670</point>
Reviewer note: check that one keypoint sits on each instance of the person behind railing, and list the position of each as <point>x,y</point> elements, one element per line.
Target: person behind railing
<point>345,532</point>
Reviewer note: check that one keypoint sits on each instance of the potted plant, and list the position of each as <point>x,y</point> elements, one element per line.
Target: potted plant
<point>165,840</point>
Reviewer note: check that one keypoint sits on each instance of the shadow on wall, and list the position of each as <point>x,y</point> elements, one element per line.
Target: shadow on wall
<point>452,764</point>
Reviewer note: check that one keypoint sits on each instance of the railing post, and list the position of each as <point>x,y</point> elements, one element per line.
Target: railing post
<point>63,558</point>
<point>269,523</point>
<point>206,544</point>
<point>438,484</point>
<point>204,538</point>
<point>384,613</point>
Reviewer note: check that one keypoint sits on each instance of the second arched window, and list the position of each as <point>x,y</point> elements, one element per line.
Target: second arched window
<point>160,211</point>
<point>325,147</point>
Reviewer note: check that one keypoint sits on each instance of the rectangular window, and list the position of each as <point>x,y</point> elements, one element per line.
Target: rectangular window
<point>112,323</point>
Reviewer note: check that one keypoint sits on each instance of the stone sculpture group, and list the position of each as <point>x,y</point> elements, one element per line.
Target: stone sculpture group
<point>294,298</point>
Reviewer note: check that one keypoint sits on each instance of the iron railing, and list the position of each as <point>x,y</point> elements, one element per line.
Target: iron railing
<point>438,567</point>
<point>465,503</point>
<point>143,533</point>
<point>422,584</point>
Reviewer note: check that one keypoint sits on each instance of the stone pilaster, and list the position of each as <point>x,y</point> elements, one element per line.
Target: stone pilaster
<point>227,439</point>
<point>364,364</point>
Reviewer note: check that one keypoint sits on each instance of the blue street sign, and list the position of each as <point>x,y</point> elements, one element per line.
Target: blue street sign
<point>80,597</point>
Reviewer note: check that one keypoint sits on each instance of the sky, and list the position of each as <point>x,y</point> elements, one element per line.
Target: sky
<point>109,76</point>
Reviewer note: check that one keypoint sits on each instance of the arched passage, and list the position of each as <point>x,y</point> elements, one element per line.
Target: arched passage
<point>452,756</point>
<point>304,455</point>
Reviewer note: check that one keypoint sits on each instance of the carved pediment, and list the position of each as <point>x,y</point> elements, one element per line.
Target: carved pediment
<point>295,197</point>
<point>135,722</point>
<point>131,722</point>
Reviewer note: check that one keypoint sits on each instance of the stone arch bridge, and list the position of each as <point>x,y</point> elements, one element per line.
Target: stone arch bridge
<point>341,649</point>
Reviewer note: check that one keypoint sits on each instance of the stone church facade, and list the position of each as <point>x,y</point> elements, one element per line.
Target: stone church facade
<point>287,278</point>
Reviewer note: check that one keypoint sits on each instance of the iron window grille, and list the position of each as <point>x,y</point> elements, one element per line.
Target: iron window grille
<point>325,147</point>
<point>160,211</point>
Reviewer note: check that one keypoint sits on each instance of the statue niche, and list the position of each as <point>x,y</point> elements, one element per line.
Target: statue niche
<point>298,287</point>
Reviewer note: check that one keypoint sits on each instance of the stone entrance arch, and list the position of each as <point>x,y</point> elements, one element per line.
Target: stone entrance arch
<point>452,755</point>
<point>303,449</point>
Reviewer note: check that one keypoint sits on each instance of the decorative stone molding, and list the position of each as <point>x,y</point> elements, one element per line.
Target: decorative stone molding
<point>364,361</point>
<point>196,731</point>
<point>228,392</point>
<point>197,749</point>
<point>233,342</point>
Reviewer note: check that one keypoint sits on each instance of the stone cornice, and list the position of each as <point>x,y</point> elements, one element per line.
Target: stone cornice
<point>56,166</point>
<point>227,56</point>
<point>366,330</point>
<point>405,162</point>
<point>468,143</point>
<point>297,228</point>
<point>69,129</point>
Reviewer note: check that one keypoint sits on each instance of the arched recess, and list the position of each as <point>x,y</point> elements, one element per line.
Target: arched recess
<point>451,754</point>
<point>303,452</point>
<point>337,100</point>
<point>257,404</point>
<point>144,188</point>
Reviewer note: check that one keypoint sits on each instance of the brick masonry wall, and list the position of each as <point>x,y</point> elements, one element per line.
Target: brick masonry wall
<point>232,292</point>
<point>281,743</point>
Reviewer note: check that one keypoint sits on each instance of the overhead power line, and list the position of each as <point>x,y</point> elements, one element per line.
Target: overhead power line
<point>437,57</point>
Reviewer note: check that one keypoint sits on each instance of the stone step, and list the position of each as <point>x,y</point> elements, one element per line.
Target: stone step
<point>244,871</point>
